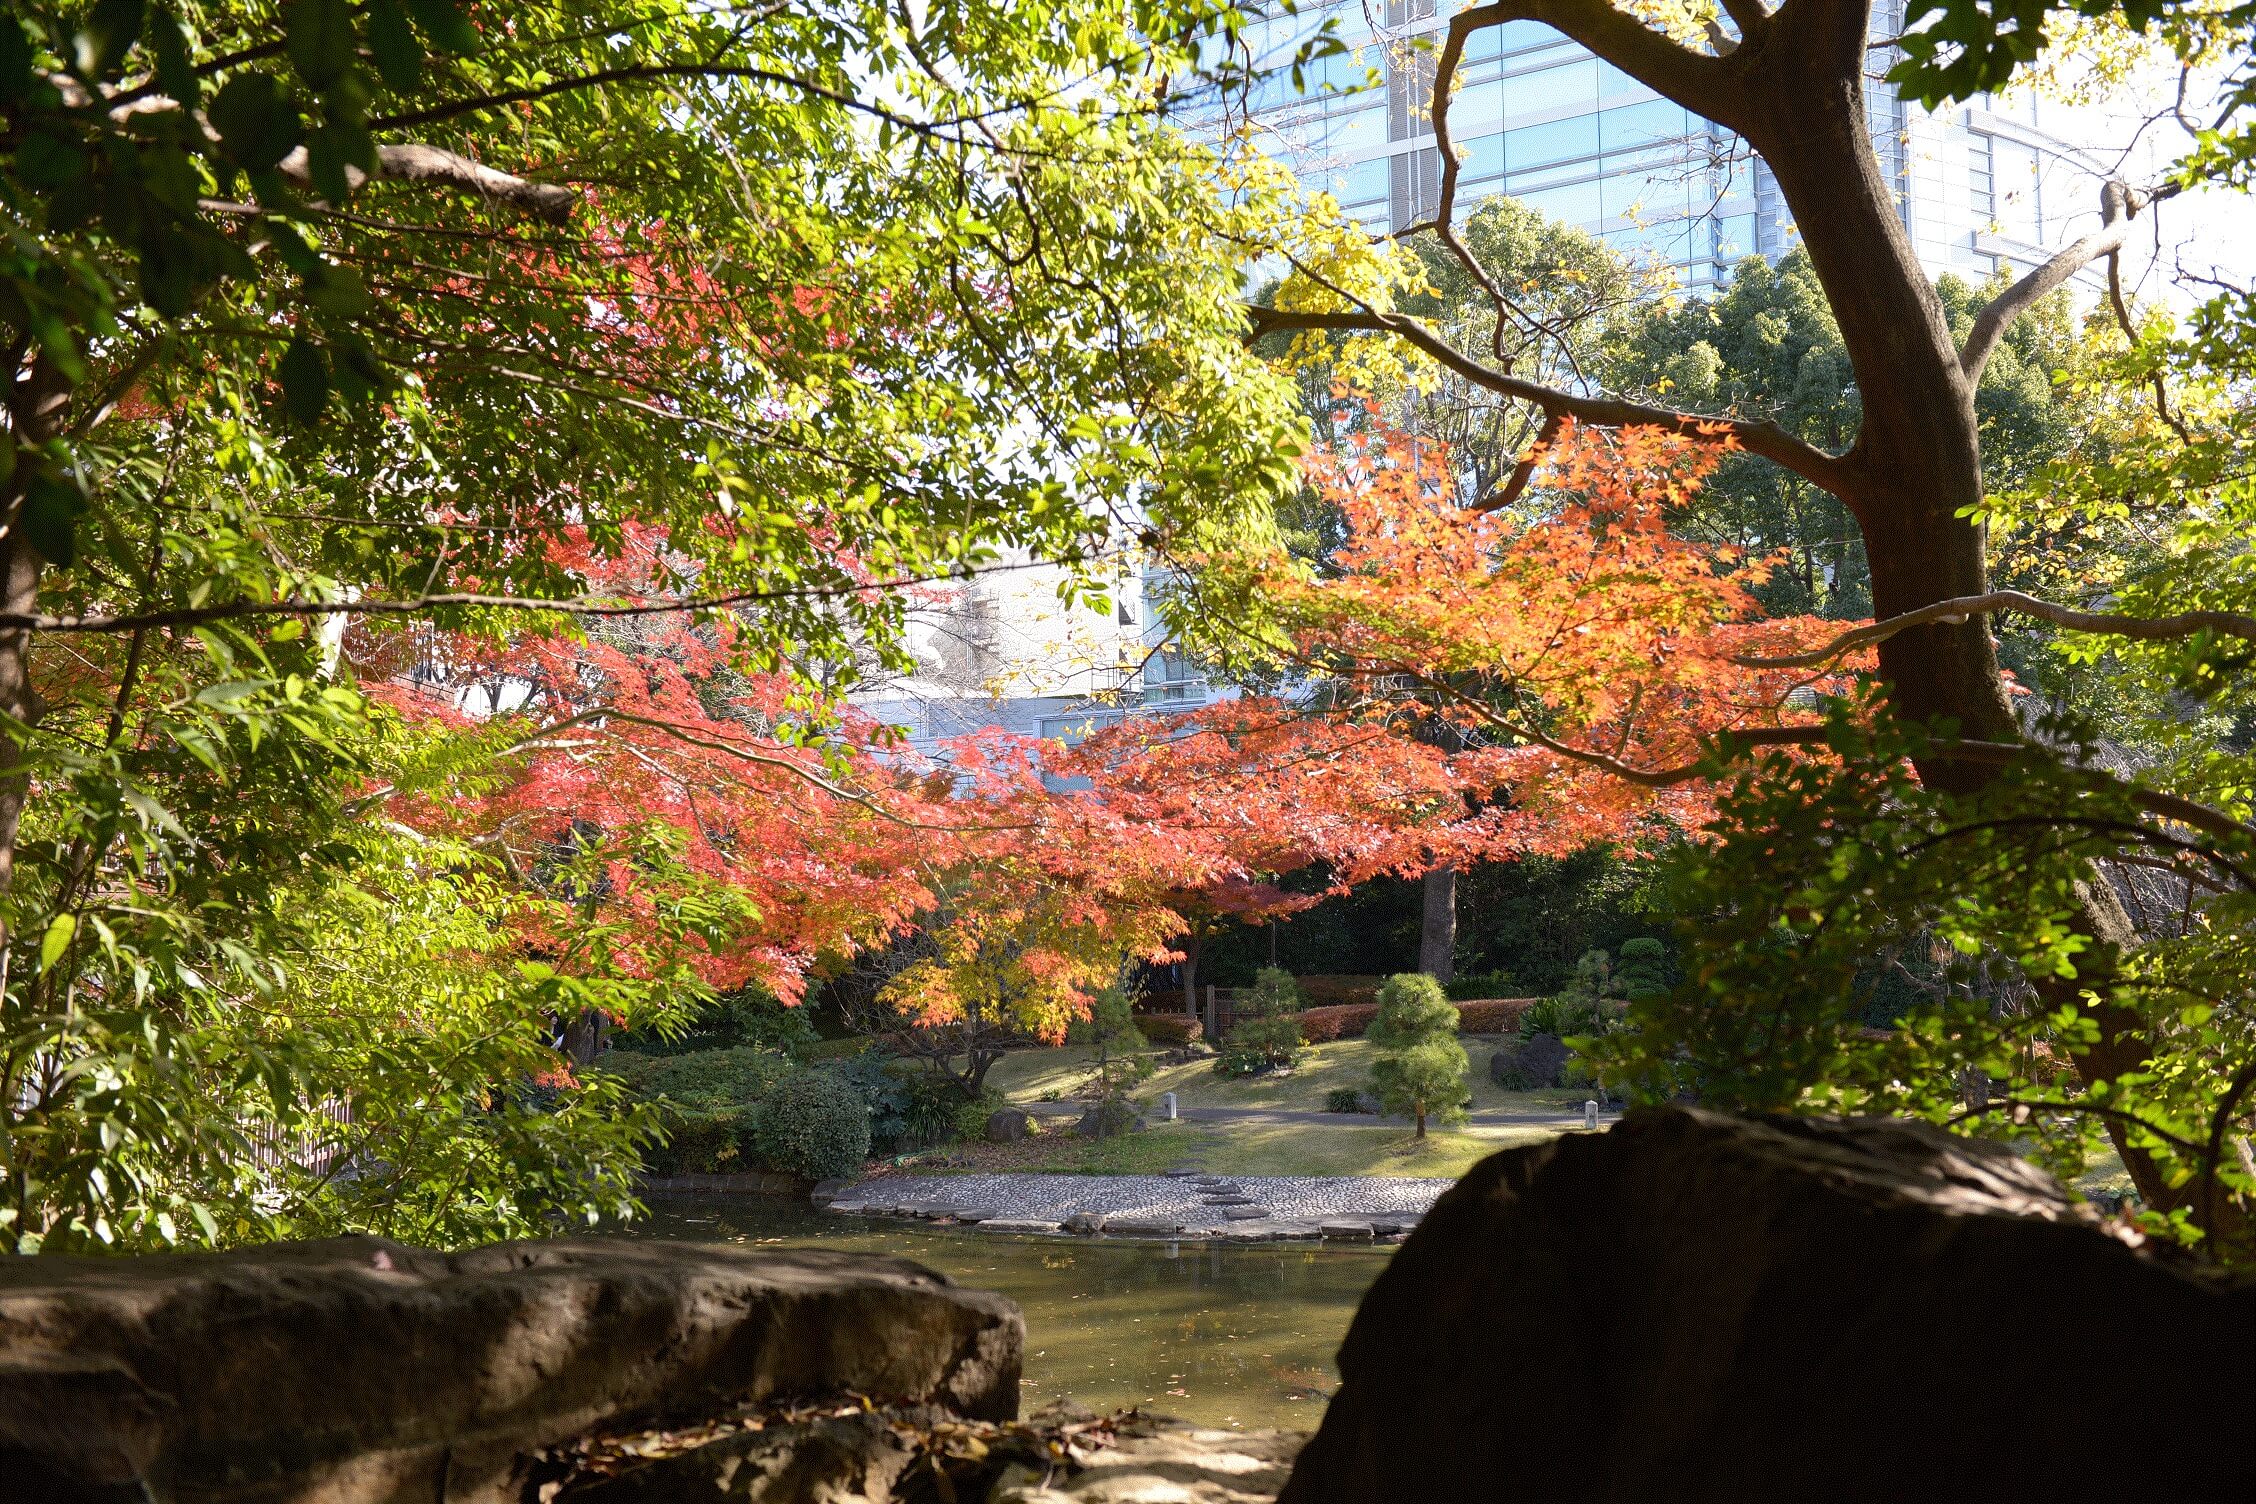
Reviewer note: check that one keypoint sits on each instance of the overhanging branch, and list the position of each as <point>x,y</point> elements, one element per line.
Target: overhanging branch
<point>434,167</point>
<point>1766,439</point>
<point>1958,609</point>
<point>2118,204</point>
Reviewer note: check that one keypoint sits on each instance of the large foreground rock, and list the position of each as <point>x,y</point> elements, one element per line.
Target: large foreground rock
<point>359,1369</point>
<point>1693,1307</point>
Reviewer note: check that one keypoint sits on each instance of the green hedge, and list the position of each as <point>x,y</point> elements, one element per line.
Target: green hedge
<point>740,1109</point>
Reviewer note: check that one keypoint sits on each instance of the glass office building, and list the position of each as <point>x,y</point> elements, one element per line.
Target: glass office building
<point>1537,117</point>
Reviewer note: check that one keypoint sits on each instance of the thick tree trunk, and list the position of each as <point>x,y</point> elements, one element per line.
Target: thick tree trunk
<point>584,1035</point>
<point>1190,972</point>
<point>1437,933</point>
<point>37,408</point>
<point>1916,467</point>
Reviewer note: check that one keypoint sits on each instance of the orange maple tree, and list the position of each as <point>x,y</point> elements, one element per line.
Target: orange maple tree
<point>1583,656</point>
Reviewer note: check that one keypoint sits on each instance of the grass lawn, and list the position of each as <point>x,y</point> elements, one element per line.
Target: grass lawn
<point>1235,1149</point>
<point>1028,1075</point>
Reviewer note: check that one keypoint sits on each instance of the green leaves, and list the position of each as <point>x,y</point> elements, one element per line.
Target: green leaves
<point>443,22</point>
<point>51,509</point>
<point>111,30</point>
<point>257,122</point>
<point>60,929</point>
<point>320,39</point>
<point>399,57</point>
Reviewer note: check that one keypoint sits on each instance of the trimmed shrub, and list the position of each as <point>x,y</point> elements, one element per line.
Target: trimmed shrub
<point>1642,968</point>
<point>1420,1072</point>
<point>813,1124</point>
<point>1343,1099</point>
<point>710,1079</point>
<point>1492,1015</point>
<point>1476,986</point>
<point>1333,991</point>
<point>1267,1036</point>
<point>705,1101</point>
<point>1169,1029</point>
<point>1348,1021</point>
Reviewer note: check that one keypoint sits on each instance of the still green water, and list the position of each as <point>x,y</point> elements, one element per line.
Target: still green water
<point>1228,1335</point>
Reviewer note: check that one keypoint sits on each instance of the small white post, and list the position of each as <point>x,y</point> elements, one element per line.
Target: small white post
<point>1167,1104</point>
<point>1590,1117</point>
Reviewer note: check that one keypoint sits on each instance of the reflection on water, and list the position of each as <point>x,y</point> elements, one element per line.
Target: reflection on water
<point>1236,1335</point>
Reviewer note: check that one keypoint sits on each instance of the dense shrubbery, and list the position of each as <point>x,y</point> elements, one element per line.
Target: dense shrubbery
<point>1476,986</point>
<point>1499,1015</point>
<point>1340,991</point>
<point>705,1103</point>
<point>911,1106</point>
<point>1267,1035</point>
<point>748,1018</point>
<point>1171,1029</point>
<point>1348,1021</point>
<point>741,1109</point>
<point>1343,1099</point>
<point>1495,1015</point>
<point>812,1123</point>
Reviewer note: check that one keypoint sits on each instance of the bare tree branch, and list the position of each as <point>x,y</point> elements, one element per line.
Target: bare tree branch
<point>1766,439</point>
<point>2143,628</point>
<point>2130,332</point>
<point>193,616</point>
<point>2118,203</point>
<point>430,165</point>
<point>404,163</point>
<point>1700,83</point>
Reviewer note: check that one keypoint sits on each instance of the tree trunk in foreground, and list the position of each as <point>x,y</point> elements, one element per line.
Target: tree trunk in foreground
<point>1437,932</point>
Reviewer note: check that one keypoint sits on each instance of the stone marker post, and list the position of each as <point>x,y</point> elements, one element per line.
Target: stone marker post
<point>1590,1117</point>
<point>1167,1105</point>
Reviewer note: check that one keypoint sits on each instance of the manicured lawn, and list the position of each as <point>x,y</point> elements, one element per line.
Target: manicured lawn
<point>1236,1149</point>
<point>1026,1075</point>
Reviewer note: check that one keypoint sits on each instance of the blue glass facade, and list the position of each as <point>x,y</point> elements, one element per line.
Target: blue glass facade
<point>1537,117</point>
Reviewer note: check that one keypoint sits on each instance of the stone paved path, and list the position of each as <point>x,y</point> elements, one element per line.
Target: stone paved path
<point>1183,1204</point>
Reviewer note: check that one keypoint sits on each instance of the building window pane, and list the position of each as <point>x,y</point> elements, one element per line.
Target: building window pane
<point>1647,195</point>
<point>1634,125</point>
<point>1560,141</point>
<point>1577,204</point>
<point>1363,183</point>
<point>1479,108</point>
<point>1483,158</point>
<point>1572,86</point>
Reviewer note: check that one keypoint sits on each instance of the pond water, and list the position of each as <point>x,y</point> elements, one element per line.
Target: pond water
<point>1238,1335</point>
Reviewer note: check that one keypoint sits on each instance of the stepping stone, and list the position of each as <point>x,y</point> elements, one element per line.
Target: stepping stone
<point>1246,1213</point>
<point>1225,1201</point>
<point>971,1216</point>
<point>1147,1227</point>
<point>1018,1224</point>
<point>1085,1222</point>
<point>1182,1172</point>
<point>1345,1232</point>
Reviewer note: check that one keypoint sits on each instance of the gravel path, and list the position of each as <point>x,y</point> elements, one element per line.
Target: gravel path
<point>1182,1204</point>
